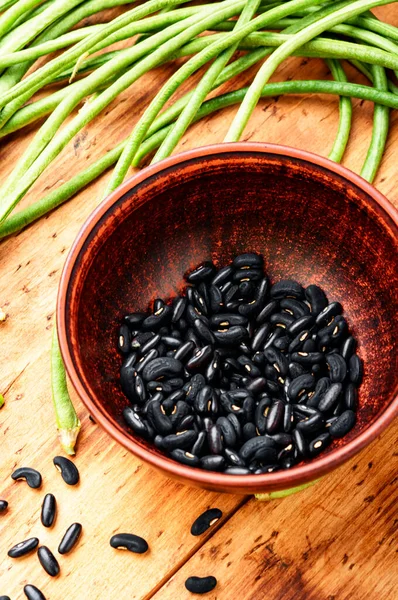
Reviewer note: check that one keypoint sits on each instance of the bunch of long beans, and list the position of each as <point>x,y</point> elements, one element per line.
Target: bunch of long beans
<point>265,32</point>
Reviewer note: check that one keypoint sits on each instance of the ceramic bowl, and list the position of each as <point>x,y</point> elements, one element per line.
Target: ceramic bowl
<point>313,220</point>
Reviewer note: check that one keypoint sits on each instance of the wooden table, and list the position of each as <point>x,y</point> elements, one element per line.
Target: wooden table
<point>334,541</point>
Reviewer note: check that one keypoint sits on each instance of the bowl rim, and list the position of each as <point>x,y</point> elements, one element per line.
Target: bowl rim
<point>280,479</point>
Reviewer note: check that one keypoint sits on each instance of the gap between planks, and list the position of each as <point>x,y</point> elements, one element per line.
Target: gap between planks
<point>195,549</point>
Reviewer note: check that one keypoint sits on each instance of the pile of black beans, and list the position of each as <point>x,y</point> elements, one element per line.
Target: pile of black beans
<point>238,375</point>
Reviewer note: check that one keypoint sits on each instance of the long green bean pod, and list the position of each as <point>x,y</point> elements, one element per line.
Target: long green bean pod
<point>67,421</point>
<point>381,122</point>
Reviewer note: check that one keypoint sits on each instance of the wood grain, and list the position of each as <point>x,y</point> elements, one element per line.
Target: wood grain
<point>333,542</point>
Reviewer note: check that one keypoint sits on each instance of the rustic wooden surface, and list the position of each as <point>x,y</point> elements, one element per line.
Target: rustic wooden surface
<point>334,541</point>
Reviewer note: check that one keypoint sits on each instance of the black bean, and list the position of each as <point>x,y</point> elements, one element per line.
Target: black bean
<point>246,289</point>
<point>327,315</point>
<point>182,439</point>
<point>225,320</point>
<point>296,308</point>
<point>215,299</point>
<point>31,476</point>
<point>259,337</point>
<point>295,370</point>
<point>232,336</point>
<point>48,561</point>
<point>161,367</point>
<point>278,360</point>
<point>48,510</point>
<point>248,260</point>
<point>214,440</point>
<point>355,369</point>
<point>200,358</point>
<point>198,445</point>
<point>202,399</point>
<point>351,397</point>
<point>267,469</point>
<point>257,385</point>
<point>139,389</point>
<point>282,320</point>
<point>203,331</point>
<point>230,294</point>
<point>5,598</point>
<point>124,339</point>
<point>282,343</point>
<point>205,520</point>
<point>261,414</point>
<point>178,309</point>
<point>134,320</point>
<point>343,424</point>
<point>288,418</point>
<point>281,439</point>
<point>267,311</point>
<point>287,288</point>
<point>310,346</point>
<point>337,367</point>
<point>127,376</point>
<point>212,462</point>
<point>202,273</point>
<point>233,419</point>
<point>317,298</point>
<point>141,338</point>
<point>248,431</point>
<point>300,385</point>
<point>307,358</point>
<point>3,505</point>
<point>158,419</point>
<point>68,470</point>
<point>228,432</point>
<point>158,319</point>
<point>181,410</point>
<point>141,364</point>
<point>222,276</point>
<point>233,458</point>
<point>129,541</point>
<point>200,585</point>
<point>312,424</point>
<point>251,446</point>
<point>70,538</point>
<point>330,398</point>
<point>264,454</point>
<point>299,442</point>
<point>318,444</point>
<point>302,410</point>
<point>33,593</point>
<point>157,386</point>
<point>322,385</point>
<point>135,422</point>
<point>184,351</point>
<point>275,417</point>
<point>23,548</point>
<point>348,348</point>
<point>300,325</point>
<point>193,386</point>
<point>150,344</point>
<point>247,275</point>
<point>184,457</point>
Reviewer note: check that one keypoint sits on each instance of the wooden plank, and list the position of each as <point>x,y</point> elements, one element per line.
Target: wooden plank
<point>334,541</point>
<point>116,490</point>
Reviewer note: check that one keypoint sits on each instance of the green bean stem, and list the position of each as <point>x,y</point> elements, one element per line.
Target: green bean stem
<point>28,215</point>
<point>67,421</point>
<point>249,103</point>
<point>381,122</point>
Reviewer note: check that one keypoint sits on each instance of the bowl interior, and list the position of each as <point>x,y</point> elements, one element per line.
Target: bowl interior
<point>310,224</point>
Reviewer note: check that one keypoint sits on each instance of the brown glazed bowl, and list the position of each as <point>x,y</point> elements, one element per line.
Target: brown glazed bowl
<point>313,221</point>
